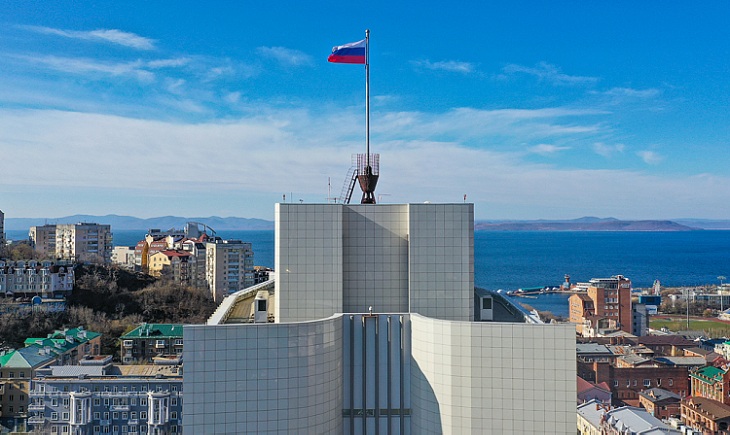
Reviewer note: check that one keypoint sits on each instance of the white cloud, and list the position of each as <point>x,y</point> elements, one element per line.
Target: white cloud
<point>446,65</point>
<point>650,157</point>
<point>112,36</point>
<point>264,155</point>
<point>632,93</point>
<point>548,73</point>
<point>607,150</point>
<point>168,63</point>
<point>547,149</point>
<point>91,66</point>
<point>286,56</point>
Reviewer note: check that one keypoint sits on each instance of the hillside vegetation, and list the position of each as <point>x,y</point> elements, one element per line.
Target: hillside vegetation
<point>112,301</point>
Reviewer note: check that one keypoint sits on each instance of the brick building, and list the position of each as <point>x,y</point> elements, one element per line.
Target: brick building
<point>627,382</point>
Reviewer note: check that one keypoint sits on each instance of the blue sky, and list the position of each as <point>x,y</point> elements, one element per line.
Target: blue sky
<point>532,109</point>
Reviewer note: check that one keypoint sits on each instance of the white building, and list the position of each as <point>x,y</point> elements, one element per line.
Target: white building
<point>123,256</point>
<point>417,364</point>
<point>35,278</point>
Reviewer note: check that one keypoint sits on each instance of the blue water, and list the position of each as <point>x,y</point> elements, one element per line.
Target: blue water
<point>511,260</point>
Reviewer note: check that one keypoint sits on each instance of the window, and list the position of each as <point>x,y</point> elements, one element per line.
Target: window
<point>115,415</point>
<point>65,402</point>
<point>11,374</point>
<point>97,416</point>
<point>173,401</point>
<point>487,304</point>
<point>628,382</point>
<point>615,382</point>
<point>671,382</point>
<point>65,416</point>
<point>11,397</point>
<point>647,382</point>
<point>634,382</point>
<point>143,415</point>
<point>143,402</point>
<point>173,415</point>
<point>22,374</point>
<point>97,401</point>
<point>54,416</point>
<point>54,402</point>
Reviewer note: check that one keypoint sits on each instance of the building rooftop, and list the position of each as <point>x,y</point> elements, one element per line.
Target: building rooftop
<point>659,394</point>
<point>155,330</point>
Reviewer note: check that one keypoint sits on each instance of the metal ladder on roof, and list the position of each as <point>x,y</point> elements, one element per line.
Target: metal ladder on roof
<point>349,185</point>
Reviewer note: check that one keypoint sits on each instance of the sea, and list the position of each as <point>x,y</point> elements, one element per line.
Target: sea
<point>509,260</point>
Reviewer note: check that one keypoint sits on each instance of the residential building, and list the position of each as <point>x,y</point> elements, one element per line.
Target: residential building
<point>627,382</point>
<point>588,391</point>
<point>26,279</point>
<point>18,367</point>
<point>606,306</point>
<point>632,420</point>
<point>590,416</point>
<point>374,331</point>
<point>660,403</point>
<point>99,397</point>
<point>229,266</point>
<point>173,263</point>
<point>43,240</point>
<point>124,256</point>
<point>83,242</point>
<point>712,383</point>
<point>706,415</point>
<point>150,340</point>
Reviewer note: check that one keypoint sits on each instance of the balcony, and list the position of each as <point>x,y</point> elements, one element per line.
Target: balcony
<point>36,419</point>
<point>105,422</point>
<point>36,407</point>
<point>119,408</point>
<point>134,422</point>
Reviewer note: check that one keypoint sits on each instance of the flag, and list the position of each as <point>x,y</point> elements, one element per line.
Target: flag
<point>353,52</point>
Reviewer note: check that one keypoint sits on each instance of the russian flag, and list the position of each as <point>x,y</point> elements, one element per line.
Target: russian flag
<point>353,52</point>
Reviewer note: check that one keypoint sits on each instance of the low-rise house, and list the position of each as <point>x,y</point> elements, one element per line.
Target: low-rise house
<point>667,345</point>
<point>595,418</point>
<point>590,416</point>
<point>589,352</point>
<point>99,397</point>
<point>631,420</point>
<point>150,340</point>
<point>706,415</point>
<point>660,403</point>
<point>18,367</point>
<point>588,391</point>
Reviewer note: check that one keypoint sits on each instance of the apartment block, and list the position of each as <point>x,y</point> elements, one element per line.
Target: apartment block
<point>605,307</point>
<point>99,397</point>
<point>46,279</point>
<point>82,242</point>
<point>228,266</point>
<point>151,340</point>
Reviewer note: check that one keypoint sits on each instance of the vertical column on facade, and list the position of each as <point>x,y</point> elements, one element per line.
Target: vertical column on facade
<point>80,403</point>
<point>158,412</point>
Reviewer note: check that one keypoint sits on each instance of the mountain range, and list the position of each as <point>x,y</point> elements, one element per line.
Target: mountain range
<point>236,223</point>
<point>133,223</point>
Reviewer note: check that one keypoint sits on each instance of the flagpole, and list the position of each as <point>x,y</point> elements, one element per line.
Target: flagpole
<point>367,99</point>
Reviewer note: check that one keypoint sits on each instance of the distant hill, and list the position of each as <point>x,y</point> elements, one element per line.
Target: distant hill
<point>132,223</point>
<point>582,224</point>
<point>705,224</point>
